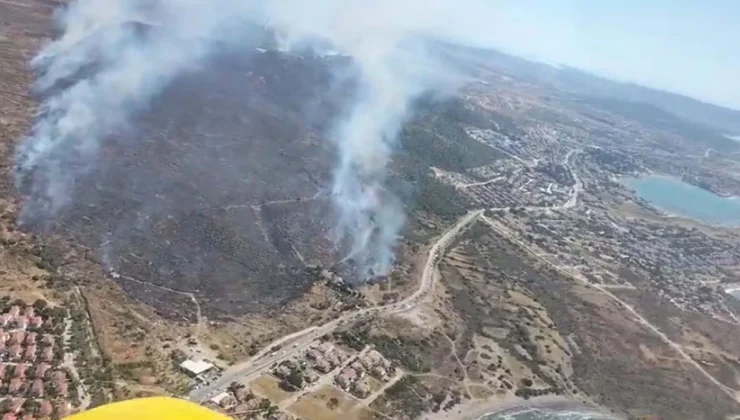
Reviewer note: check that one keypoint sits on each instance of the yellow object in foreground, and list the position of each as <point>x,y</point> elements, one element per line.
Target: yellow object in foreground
<point>154,408</point>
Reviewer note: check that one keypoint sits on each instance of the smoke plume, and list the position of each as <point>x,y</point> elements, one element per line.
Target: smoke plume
<point>104,68</point>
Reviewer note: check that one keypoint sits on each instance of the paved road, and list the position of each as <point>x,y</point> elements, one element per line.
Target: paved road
<point>301,340</point>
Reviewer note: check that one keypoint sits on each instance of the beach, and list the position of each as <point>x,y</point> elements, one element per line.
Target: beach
<point>478,410</point>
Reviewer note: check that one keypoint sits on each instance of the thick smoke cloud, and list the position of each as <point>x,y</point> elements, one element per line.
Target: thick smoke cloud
<point>103,69</point>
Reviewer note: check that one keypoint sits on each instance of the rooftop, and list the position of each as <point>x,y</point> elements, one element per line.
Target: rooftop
<point>196,367</point>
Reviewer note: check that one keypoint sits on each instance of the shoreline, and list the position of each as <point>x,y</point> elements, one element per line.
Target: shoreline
<point>510,404</point>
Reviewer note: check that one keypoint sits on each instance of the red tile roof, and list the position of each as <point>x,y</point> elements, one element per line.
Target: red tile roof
<point>10,416</point>
<point>17,404</point>
<point>41,370</point>
<point>15,351</point>
<point>20,371</point>
<point>18,337</point>
<point>37,388</point>
<point>15,385</point>
<point>45,408</point>
<point>22,322</point>
<point>37,321</point>
<point>62,388</point>
<point>31,352</point>
<point>48,354</point>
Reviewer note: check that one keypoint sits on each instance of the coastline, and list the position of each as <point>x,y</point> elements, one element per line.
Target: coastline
<point>668,210</point>
<point>509,404</point>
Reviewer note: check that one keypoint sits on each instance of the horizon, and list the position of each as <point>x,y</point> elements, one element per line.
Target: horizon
<point>683,48</point>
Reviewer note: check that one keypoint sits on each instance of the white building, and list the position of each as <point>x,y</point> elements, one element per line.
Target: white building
<point>196,368</point>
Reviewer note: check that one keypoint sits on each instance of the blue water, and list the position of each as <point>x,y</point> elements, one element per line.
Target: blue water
<point>677,197</point>
<point>543,414</point>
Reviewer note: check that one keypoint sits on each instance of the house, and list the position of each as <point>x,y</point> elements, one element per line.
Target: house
<point>63,409</point>
<point>322,365</point>
<point>196,368</point>
<point>346,378</point>
<point>282,371</point>
<point>380,372</point>
<point>16,384</point>
<point>59,378</point>
<point>357,366</point>
<point>20,371</point>
<point>62,388</point>
<point>224,400</point>
<point>21,322</point>
<point>5,319</point>
<point>18,337</point>
<point>310,376</point>
<point>14,312</point>
<point>28,417</point>
<point>31,338</point>
<point>45,409</point>
<point>37,388</point>
<point>361,388</point>
<point>314,354</point>
<point>10,416</point>
<point>243,394</point>
<point>15,352</point>
<point>333,359</point>
<point>31,353</point>
<point>3,335</point>
<point>47,354</point>
<point>3,368</point>
<point>48,339</point>
<point>16,405</point>
<point>36,321</point>
<point>29,312</point>
<point>41,370</point>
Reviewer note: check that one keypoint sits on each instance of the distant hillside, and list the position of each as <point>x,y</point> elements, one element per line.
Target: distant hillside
<point>579,82</point>
<point>720,118</point>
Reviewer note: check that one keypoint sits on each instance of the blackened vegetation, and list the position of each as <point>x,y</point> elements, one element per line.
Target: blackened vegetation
<point>183,202</point>
<point>219,189</point>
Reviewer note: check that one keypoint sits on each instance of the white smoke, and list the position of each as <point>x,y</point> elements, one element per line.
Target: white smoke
<point>103,69</point>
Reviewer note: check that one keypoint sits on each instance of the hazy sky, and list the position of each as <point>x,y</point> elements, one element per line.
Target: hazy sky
<point>687,46</point>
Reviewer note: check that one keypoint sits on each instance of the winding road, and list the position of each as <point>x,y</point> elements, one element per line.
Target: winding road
<point>301,340</point>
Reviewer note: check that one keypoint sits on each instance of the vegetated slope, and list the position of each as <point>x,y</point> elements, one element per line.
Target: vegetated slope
<point>178,200</point>
<point>220,188</point>
<point>659,119</point>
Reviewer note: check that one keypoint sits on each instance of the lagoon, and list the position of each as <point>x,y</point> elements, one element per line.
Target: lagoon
<point>676,197</point>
